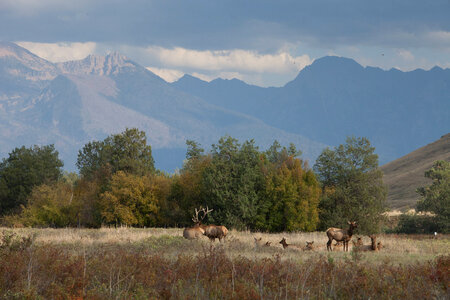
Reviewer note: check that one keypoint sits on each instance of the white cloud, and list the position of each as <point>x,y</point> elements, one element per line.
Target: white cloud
<point>229,60</point>
<point>59,52</point>
<point>405,54</point>
<point>169,75</point>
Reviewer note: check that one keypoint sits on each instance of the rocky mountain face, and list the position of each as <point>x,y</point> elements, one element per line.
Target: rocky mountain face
<point>71,103</point>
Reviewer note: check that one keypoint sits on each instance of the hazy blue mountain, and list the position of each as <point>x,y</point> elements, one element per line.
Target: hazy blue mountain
<point>336,97</point>
<point>71,103</point>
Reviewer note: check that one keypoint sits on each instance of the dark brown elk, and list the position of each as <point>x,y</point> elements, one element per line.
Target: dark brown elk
<point>198,229</point>
<point>340,235</point>
<point>214,232</point>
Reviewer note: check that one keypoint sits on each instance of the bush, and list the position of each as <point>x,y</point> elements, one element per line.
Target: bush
<point>416,224</point>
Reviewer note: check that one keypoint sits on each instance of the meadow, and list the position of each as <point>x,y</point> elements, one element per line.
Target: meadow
<point>158,263</point>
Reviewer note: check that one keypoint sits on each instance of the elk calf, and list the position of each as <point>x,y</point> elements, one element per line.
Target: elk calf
<point>309,246</point>
<point>286,245</point>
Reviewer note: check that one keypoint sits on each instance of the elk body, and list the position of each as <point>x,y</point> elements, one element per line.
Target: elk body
<point>340,235</point>
<point>214,232</point>
<point>194,232</point>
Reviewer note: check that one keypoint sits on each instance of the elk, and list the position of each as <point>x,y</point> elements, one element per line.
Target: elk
<point>340,235</point>
<point>258,242</point>
<point>337,245</point>
<point>309,246</point>
<point>379,246</point>
<point>371,247</point>
<point>214,232</point>
<point>198,229</point>
<point>286,245</point>
<point>358,243</point>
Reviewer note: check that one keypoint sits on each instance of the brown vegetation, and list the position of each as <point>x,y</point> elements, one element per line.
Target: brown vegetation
<point>37,270</point>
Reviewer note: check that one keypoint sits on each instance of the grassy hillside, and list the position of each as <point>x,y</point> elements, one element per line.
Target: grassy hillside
<point>404,175</point>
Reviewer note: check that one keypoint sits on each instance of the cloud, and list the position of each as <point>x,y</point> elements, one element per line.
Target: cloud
<point>229,60</point>
<point>169,75</point>
<point>59,52</point>
<point>405,54</point>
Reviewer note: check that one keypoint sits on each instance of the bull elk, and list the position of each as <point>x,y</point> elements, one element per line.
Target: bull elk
<point>340,235</point>
<point>198,229</point>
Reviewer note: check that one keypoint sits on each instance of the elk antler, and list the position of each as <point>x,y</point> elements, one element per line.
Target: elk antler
<point>202,210</point>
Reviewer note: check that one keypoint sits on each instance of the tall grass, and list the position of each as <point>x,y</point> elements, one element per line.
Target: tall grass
<point>127,263</point>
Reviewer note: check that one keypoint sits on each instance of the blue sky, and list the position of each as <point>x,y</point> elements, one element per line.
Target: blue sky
<point>261,42</point>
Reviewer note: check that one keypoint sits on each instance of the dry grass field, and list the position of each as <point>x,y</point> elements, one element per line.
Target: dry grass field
<point>158,263</point>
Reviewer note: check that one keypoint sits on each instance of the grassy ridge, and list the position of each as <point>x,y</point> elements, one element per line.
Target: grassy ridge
<point>128,263</point>
<point>404,175</point>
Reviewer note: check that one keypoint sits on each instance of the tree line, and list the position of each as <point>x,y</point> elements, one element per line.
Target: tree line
<point>117,184</point>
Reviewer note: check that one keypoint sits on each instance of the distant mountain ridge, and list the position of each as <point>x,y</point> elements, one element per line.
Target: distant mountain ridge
<point>78,101</point>
<point>336,97</point>
<point>404,175</point>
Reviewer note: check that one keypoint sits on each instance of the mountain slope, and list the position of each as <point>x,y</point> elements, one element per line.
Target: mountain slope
<point>404,175</point>
<point>336,97</point>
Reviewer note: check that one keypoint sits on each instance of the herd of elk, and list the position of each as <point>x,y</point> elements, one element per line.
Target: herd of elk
<point>213,232</point>
<point>340,235</point>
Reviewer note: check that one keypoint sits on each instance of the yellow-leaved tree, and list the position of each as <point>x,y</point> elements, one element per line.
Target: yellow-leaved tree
<point>133,200</point>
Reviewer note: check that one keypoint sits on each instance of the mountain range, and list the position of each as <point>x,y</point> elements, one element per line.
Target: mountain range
<point>71,103</point>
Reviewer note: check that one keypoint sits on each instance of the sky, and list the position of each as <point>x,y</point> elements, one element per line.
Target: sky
<point>262,42</point>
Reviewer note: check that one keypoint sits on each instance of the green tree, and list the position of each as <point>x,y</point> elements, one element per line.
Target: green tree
<point>24,169</point>
<point>187,188</point>
<point>232,183</point>
<point>127,151</point>
<point>436,197</point>
<point>352,186</point>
